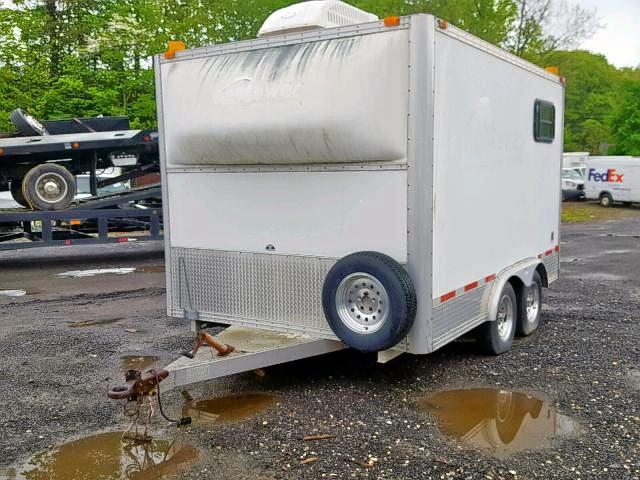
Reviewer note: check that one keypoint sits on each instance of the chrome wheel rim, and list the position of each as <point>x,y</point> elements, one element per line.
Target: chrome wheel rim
<point>362,303</point>
<point>532,302</point>
<point>51,187</point>
<point>505,318</point>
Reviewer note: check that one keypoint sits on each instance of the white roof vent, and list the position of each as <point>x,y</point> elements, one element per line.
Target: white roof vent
<point>313,15</point>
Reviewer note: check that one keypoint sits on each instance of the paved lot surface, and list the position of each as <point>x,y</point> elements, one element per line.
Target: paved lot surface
<point>585,362</point>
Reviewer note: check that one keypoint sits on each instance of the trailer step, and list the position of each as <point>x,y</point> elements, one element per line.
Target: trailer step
<point>254,348</point>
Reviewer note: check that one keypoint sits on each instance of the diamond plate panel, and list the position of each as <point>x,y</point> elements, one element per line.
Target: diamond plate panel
<point>459,315</point>
<point>268,290</point>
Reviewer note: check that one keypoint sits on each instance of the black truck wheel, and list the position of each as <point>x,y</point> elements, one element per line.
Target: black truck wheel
<point>26,125</point>
<point>16,192</point>
<point>369,301</point>
<point>49,187</point>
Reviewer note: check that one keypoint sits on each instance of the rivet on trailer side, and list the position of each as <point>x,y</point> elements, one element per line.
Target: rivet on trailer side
<point>343,181</point>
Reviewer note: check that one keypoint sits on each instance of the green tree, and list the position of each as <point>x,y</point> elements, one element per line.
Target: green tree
<point>625,121</point>
<point>592,91</point>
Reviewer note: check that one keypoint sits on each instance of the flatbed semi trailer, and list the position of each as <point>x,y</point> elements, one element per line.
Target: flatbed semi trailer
<point>39,169</point>
<point>130,216</point>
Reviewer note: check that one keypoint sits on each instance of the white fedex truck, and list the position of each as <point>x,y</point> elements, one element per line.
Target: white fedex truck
<point>612,179</point>
<point>350,180</point>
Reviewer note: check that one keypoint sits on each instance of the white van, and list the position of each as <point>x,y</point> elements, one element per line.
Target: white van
<point>312,181</point>
<point>612,179</point>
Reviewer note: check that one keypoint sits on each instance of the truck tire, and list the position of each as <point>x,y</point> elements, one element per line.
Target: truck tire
<point>16,193</point>
<point>369,301</point>
<point>530,307</point>
<point>49,187</point>
<point>496,337</point>
<point>606,200</point>
<point>27,125</point>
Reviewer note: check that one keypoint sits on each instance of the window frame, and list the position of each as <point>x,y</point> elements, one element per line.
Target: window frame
<point>538,121</point>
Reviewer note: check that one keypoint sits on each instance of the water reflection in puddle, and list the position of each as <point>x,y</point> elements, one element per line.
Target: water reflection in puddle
<point>96,271</point>
<point>230,408</point>
<point>137,362</point>
<point>13,293</point>
<point>499,421</point>
<point>109,457</point>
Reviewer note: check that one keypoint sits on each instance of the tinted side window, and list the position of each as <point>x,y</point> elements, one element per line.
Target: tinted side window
<point>544,121</point>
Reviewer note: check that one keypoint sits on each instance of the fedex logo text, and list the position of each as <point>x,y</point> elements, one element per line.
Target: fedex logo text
<point>610,176</point>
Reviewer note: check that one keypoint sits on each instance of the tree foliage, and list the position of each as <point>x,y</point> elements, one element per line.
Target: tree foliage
<point>67,58</point>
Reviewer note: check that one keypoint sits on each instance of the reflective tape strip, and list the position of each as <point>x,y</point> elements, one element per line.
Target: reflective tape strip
<point>467,288</point>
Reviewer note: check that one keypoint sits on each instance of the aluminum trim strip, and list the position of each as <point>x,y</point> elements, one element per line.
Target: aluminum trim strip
<point>288,39</point>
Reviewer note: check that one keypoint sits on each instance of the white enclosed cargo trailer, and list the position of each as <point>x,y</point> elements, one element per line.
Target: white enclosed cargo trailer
<point>392,184</point>
<point>612,179</point>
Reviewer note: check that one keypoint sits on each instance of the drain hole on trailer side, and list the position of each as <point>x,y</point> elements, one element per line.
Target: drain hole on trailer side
<point>499,422</point>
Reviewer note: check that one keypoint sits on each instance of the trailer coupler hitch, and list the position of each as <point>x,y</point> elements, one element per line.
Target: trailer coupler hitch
<point>204,337</point>
<point>137,391</point>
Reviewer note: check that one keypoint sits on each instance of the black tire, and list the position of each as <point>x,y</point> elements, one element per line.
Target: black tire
<point>385,302</point>
<point>488,335</point>
<point>529,307</point>
<point>606,200</point>
<point>27,125</point>
<point>16,193</point>
<point>39,178</point>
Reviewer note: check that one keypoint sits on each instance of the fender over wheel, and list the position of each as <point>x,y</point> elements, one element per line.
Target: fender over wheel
<point>369,301</point>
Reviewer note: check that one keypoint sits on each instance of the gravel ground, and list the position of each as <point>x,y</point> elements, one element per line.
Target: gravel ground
<point>585,360</point>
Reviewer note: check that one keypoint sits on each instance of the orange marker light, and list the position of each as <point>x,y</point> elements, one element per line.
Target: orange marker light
<point>1,151</point>
<point>75,222</point>
<point>75,145</point>
<point>172,47</point>
<point>391,21</point>
<point>553,70</point>
<point>443,24</point>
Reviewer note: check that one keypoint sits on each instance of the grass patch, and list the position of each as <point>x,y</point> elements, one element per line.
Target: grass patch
<point>576,215</point>
<point>579,212</point>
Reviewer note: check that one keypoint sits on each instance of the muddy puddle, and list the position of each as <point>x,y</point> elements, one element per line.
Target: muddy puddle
<point>96,271</point>
<point>137,362</point>
<point>500,422</point>
<point>13,293</point>
<point>109,457</point>
<point>230,408</point>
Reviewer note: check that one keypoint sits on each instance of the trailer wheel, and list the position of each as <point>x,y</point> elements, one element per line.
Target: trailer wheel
<point>496,337</point>
<point>16,193</point>
<point>530,307</point>
<point>369,301</point>
<point>49,187</point>
<point>27,125</point>
<point>606,200</point>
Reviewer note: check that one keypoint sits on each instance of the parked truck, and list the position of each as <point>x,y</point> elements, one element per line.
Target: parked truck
<point>611,179</point>
<point>350,180</point>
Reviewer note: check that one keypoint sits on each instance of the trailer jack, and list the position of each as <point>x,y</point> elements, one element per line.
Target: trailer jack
<point>138,391</point>
<point>204,337</point>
